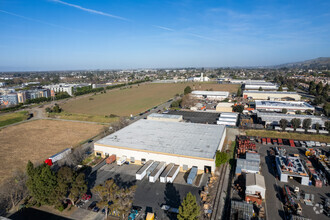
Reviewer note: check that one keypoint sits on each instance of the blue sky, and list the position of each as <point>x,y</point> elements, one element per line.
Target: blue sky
<point>109,34</point>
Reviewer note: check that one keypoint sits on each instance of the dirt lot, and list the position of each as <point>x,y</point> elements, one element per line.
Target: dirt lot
<point>136,99</point>
<point>37,140</point>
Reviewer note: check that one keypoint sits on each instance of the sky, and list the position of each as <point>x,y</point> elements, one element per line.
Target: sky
<point>124,34</point>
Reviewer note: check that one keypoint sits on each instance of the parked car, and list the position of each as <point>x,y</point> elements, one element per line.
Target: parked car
<point>92,205</point>
<point>96,209</point>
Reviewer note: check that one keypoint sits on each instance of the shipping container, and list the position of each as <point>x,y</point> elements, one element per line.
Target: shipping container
<point>268,141</point>
<point>263,140</point>
<point>291,143</point>
<point>121,160</point>
<point>60,155</point>
<point>192,175</point>
<point>140,174</point>
<point>156,172</point>
<point>111,159</point>
<point>280,142</point>
<point>165,173</point>
<point>173,173</point>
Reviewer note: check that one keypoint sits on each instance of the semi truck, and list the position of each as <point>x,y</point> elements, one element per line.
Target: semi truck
<point>52,159</point>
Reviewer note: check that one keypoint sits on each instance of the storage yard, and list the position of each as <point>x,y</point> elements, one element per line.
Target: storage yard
<point>295,178</point>
<point>125,102</point>
<point>38,140</point>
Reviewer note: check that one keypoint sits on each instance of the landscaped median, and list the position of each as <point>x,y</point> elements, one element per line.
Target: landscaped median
<point>287,135</point>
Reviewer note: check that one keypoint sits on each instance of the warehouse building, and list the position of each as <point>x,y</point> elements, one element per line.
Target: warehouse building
<point>228,119</point>
<point>185,144</point>
<point>277,106</point>
<point>210,95</point>
<point>271,95</point>
<point>165,117</point>
<point>273,119</point>
<point>248,85</point>
<point>255,184</point>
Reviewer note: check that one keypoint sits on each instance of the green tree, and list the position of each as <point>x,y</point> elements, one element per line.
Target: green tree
<point>220,158</point>
<point>189,209</point>
<point>319,88</point>
<point>283,124</point>
<point>42,184</point>
<point>238,108</point>
<point>65,178</point>
<point>260,88</point>
<point>239,92</point>
<point>306,124</point>
<point>187,90</point>
<point>78,187</point>
<point>284,110</point>
<point>325,91</point>
<point>295,122</point>
<point>312,88</point>
<point>280,88</point>
<point>298,112</point>
<point>317,127</point>
<point>327,125</point>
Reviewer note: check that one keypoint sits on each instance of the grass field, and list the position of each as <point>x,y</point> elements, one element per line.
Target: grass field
<point>136,99</point>
<point>83,117</point>
<point>11,118</point>
<point>287,135</point>
<point>38,140</point>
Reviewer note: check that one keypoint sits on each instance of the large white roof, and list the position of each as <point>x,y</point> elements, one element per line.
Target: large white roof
<point>213,93</point>
<point>188,139</point>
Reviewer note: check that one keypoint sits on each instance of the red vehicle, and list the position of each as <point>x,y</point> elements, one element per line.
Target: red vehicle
<point>86,197</point>
<point>49,162</point>
<point>268,141</point>
<point>263,140</point>
<point>292,143</point>
<point>274,141</point>
<point>280,142</point>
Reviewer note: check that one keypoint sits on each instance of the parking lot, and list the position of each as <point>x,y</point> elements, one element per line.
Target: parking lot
<point>274,195</point>
<point>148,196</point>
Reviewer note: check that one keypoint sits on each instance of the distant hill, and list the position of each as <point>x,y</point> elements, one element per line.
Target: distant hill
<point>320,63</point>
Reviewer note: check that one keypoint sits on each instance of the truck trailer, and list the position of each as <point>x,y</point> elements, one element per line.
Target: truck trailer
<point>51,160</point>
<point>121,160</point>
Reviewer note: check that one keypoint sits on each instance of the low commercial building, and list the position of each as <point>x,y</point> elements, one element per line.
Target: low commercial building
<point>210,95</point>
<point>165,117</point>
<point>277,106</point>
<point>246,166</point>
<point>273,119</point>
<point>62,87</point>
<point>251,85</point>
<point>271,95</point>
<point>255,185</point>
<point>228,119</point>
<point>291,167</point>
<point>224,107</point>
<point>185,144</point>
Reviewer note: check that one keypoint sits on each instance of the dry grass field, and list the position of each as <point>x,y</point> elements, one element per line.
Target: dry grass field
<point>136,99</point>
<point>37,140</point>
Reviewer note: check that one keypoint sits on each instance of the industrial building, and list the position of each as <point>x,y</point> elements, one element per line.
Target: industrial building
<point>255,185</point>
<point>228,119</point>
<point>197,117</point>
<point>271,95</point>
<point>224,107</point>
<point>165,117</point>
<point>291,167</point>
<point>210,95</point>
<point>273,119</point>
<point>250,164</point>
<point>185,144</point>
<point>253,85</point>
<point>277,106</point>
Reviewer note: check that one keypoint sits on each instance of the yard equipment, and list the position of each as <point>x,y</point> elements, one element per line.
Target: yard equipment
<point>150,216</point>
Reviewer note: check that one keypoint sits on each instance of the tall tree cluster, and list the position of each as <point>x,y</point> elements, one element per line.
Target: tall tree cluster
<point>49,188</point>
<point>189,209</point>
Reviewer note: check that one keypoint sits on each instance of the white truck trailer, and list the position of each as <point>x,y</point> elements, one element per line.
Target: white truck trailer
<point>140,174</point>
<point>156,173</point>
<point>60,155</point>
<point>164,174</point>
<point>121,160</point>
<point>173,173</point>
